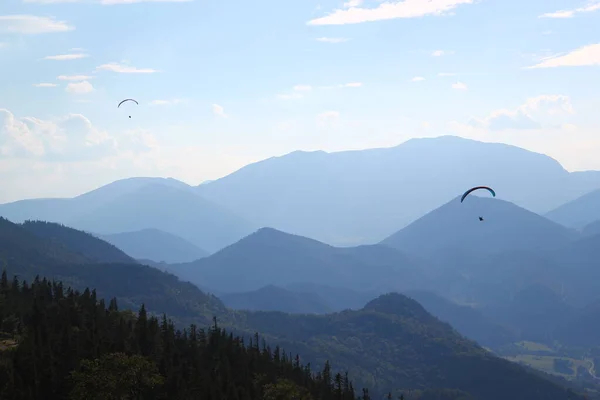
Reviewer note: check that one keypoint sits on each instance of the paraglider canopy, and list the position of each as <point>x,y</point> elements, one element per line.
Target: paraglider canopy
<point>477,188</point>
<point>135,101</point>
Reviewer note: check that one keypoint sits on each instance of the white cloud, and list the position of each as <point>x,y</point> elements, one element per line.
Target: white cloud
<point>32,25</point>
<point>353,3</point>
<point>66,57</point>
<point>219,110</point>
<point>124,69</point>
<point>389,10</point>
<point>584,56</point>
<point>70,138</point>
<point>166,102</point>
<point>417,79</point>
<point>439,53</point>
<point>74,77</point>
<point>558,14</point>
<point>80,87</point>
<point>459,86</point>
<point>332,40</point>
<point>45,85</point>
<point>447,74</point>
<point>535,112</point>
<point>591,7</point>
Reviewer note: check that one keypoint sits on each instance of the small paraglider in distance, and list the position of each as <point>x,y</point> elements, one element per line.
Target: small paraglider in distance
<point>465,194</point>
<point>135,101</point>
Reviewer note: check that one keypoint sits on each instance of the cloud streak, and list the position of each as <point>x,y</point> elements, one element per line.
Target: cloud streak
<point>389,10</point>
<point>332,40</point>
<point>594,6</point>
<point>584,56</point>
<point>66,57</point>
<point>32,25</point>
<point>74,77</point>
<point>125,69</point>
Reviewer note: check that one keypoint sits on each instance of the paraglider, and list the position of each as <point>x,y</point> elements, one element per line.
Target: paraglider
<point>477,188</point>
<point>135,101</point>
<point>474,189</point>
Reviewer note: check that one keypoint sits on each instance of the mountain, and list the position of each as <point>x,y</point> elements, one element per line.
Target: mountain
<point>591,229</point>
<point>137,204</point>
<point>358,197</point>
<point>394,344</point>
<point>60,209</point>
<point>455,226</point>
<point>338,298</point>
<point>391,343</point>
<point>579,212</point>
<point>273,298</point>
<point>468,321</point>
<point>77,262</point>
<point>271,257</point>
<point>94,249</point>
<point>155,245</point>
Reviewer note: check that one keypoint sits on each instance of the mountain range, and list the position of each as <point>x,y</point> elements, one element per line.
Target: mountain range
<point>344,199</point>
<point>361,197</point>
<point>390,344</point>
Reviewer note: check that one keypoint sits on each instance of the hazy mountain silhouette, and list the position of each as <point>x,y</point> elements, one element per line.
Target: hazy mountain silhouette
<point>271,257</point>
<point>155,245</point>
<point>455,226</point>
<point>136,204</point>
<point>273,298</point>
<point>579,212</point>
<point>357,197</point>
<point>61,209</point>
<point>176,211</point>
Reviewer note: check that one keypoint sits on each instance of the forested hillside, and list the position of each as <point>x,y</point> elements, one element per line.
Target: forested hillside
<point>62,344</point>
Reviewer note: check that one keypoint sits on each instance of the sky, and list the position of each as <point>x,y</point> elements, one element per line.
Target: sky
<point>221,84</point>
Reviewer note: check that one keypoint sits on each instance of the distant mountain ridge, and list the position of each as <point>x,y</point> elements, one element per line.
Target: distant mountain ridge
<point>156,245</point>
<point>136,204</point>
<point>361,197</point>
<point>272,257</point>
<point>456,226</point>
<point>579,212</point>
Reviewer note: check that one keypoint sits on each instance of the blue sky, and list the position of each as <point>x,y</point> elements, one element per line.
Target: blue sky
<point>221,84</point>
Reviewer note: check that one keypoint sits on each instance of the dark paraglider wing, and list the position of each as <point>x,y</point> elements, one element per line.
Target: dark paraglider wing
<point>135,101</point>
<point>477,188</point>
